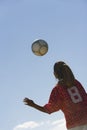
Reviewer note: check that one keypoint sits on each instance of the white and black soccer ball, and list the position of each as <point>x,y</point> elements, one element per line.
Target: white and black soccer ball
<point>39,47</point>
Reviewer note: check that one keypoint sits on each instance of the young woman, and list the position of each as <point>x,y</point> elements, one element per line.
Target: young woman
<point>69,96</point>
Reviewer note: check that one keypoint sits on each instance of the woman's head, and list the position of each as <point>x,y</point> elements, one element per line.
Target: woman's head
<point>63,72</point>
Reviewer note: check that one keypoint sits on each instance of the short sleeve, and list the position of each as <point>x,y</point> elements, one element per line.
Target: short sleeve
<point>54,102</point>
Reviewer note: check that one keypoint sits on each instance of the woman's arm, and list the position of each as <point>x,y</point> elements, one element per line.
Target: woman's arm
<point>32,104</point>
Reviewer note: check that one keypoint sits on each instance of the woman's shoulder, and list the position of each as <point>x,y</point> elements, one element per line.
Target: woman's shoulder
<point>77,82</point>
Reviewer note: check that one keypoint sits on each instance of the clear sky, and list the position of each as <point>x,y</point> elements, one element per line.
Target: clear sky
<point>63,24</point>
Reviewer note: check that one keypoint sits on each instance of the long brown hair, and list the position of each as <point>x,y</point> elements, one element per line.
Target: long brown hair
<point>64,73</point>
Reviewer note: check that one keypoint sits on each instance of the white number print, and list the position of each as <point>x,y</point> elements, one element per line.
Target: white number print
<point>74,94</point>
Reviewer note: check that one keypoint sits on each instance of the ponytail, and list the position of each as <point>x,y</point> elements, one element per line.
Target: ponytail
<point>68,76</point>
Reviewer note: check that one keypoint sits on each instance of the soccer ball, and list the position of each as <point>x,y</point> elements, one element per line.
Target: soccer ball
<point>39,47</point>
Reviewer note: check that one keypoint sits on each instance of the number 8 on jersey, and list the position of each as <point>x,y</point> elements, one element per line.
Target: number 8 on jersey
<point>74,94</point>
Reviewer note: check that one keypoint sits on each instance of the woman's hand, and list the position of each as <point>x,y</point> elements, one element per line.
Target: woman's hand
<point>28,102</point>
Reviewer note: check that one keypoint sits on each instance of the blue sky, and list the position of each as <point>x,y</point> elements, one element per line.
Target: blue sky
<point>63,24</point>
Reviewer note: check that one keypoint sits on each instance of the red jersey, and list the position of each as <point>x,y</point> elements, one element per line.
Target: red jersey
<point>72,101</point>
